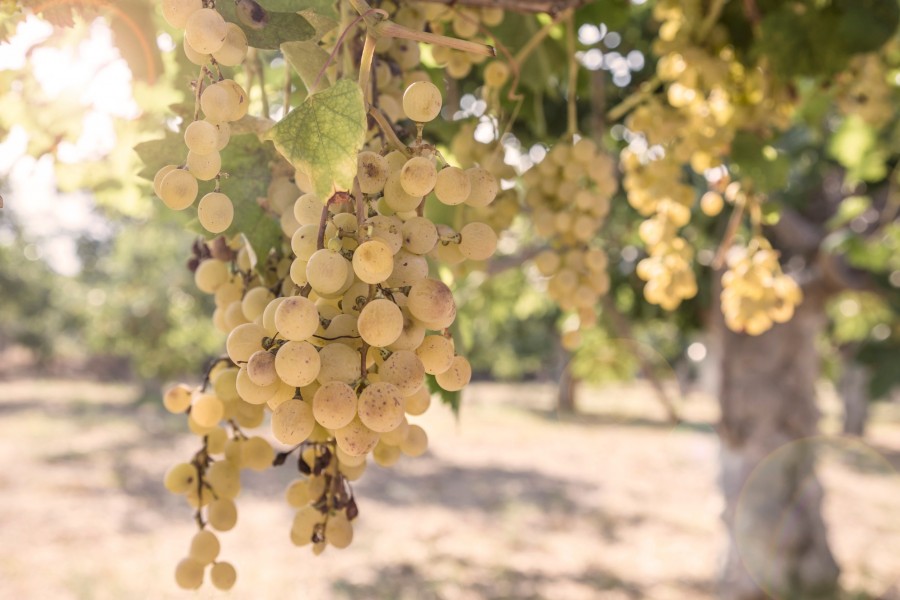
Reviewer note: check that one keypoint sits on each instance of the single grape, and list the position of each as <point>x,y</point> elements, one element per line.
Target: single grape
<point>217,103</point>
<point>189,574</point>
<point>373,261</point>
<point>457,376</point>
<point>298,363</point>
<point>234,49</point>
<point>372,172</point>
<point>178,189</point>
<point>327,271</point>
<point>261,368</point>
<point>416,442</point>
<point>204,166</point>
<point>207,410</point>
<point>205,30</point>
<point>452,186</point>
<point>176,12</point>
<point>334,405</point>
<point>478,241</point>
<point>339,363</point>
<point>381,406</point>
<point>405,370</point>
<point>160,175</point>
<point>380,322</point>
<point>297,318</point>
<point>225,479</point>
<point>356,439</point>
<point>436,353</point>
<point>422,101</point>
<point>222,514</point>
<point>201,137</point>
<point>293,422</point>
<point>418,403</point>
<point>496,74</point>
<point>419,235</point>
<point>338,531</point>
<point>181,478</point>
<point>243,341</point>
<point>177,399</point>
<point>223,575</point>
<point>418,176</point>
<point>204,547</point>
<point>431,301</point>
<point>484,187</point>
<point>215,212</point>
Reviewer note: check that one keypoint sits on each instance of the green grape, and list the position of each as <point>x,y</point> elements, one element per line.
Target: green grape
<point>297,493</point>
<point>459,64</point>
<point>215,212</point>
<point>261,368</point>
<point>396,197</point>
<point>239,100</point>
<point>373,261</point>
<point>408,269</point>
<point>189,574</point>
<point>436,353</point>
<point>193,56</point>
<point>298,363</point>
<point>418,403</point>
<point>397,434</point>
<point>177,399</point>
<point>257,454</point>
<point>224,135</point>
<point>204,166</point>
<point>204,547</point>
<point>452,186</point>
<point>496,74</point>
<point>334,405</point>
<point>386,455</point>
<point>372,172</point>
<point>405,370</point>
<point>210,275</point>
<point>268,317</point>
<point>386,229</point>
<point>308,210</point>
<point>297,318</point>
<point>339,531</point>
<point>711,204</point>
<point>305,522</point>
<point>234,49</point>
<point>225,480</point>
<point>293,422</point>
<point>418,176</point>
<point>416,442</point>
<point>356,439</point>
<point>176,12</point>
<point>160,175</point>
<point>181,478</point>
<point>217,103</point>
<point>327,271</point>
<point>178,189</point>
<point>250,392</point>
<point>422,101</point>
<point>284,393</point>
<point>419,235</point>
<point>201,137</point>
<point>222,514</point>
<point>431,301</point>
<point>381,406</point>
<point>380,322</point>
<point>478,241</point>
<point>243,341</point>
<point>457,376</point>
<point>207,410</point>
<point>223,575</point>
<point>303,243</point>
<point>412,335</point>
<point>205,30</point>
<point>465,23</point>
<point>484,187</point>
<point>339,363</point>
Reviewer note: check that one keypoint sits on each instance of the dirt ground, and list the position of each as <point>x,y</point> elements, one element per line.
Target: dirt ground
<point>511,501</point>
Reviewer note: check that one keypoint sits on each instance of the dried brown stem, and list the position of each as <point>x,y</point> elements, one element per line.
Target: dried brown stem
<point>519,6</point>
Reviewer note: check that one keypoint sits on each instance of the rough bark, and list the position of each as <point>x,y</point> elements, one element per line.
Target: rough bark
<point>777,538</point>
<point>853,387</point>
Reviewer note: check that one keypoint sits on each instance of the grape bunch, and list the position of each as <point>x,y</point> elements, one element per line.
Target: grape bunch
<point>568,195</point>
<point>755,292</point>
<point>209,41</point>
<point>332,341</point>
<point>709,96</point>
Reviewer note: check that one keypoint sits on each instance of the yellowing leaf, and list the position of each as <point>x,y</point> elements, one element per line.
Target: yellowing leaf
<point>322,136</point>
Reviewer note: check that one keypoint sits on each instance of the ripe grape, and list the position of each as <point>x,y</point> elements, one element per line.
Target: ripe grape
<point>297,363</point>
<point>339,363</point>
<point>225,480</point>
<point>205,30</point>
<point>373,261</point>
<point>496,74</point>
<point>386,229</point>
<point>222,514</point>
<point>380,322</point>
<point>372,172</point>
<point>431,301</point>
<point>189,574</point>
<point>176,12</point>
<point>405,370</point>
<point>422,101</point>
<point>204,547</point>
<point>381,406</point>
<point>418,176</point>
<point>293,422</point>
<point>334,405</point>
<point>217,103</point>
<point>418,403</point>
<point>436,353</point>
<point>261,368</point>
<point>234,49</point>
<point>452,186</point>
<point>223,575</point>
<point>204,166</point>
<point>201,137</point>
<point>207,410</point>
<point>478,241</point>
<point>356,439</point>
<point>215,212</point>
<point>181,478</point>
<point>338,531</point>
<point>416,442</point>
<point>297,318</point>
<point>484,187</point>
<point>178,189</point>
<point>177,399</point>
<point>327,271</point>
<point>457,376</point>
<point>419,235</point>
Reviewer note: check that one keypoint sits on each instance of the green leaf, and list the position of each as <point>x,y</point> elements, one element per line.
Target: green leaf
<point>322,136</point>
<point>855,146</point>
<point>155,154</point>
<point>307,59</point>
<point>451,399</point>
<point>282,27</point>
<point>754,159</point>
<point>849,208</point>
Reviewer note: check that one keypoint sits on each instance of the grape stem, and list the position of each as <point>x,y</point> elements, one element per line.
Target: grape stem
<point>388,130</point>
<point>340,42</point>
<point>365,67</point>
<point>526,50</point>
<point>360,210</point>
<point>391,29</point>
<point>212,365</point>
<point>730,232</point>
<point>552,7</point>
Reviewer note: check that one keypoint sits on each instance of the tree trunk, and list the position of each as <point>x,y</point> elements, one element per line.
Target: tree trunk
<point>777,538</point>
<point>565,399</point>
<point>853,387</point>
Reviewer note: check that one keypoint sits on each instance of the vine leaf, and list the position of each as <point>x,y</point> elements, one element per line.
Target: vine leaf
<point>282,27</point>
<point>451,399</point>
<point>307,59</point>
<point>322,136</point>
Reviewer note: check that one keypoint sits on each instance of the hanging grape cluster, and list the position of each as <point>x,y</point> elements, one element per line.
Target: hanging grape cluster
<point>332,338</point>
